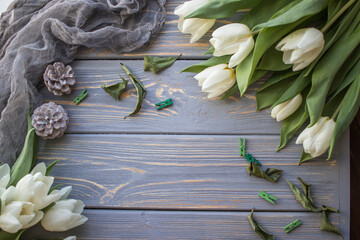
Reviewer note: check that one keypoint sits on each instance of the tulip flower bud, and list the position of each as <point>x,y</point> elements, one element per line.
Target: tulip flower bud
<point>285,109</point>
<point>64,215</point>
<point>234,38</point>
<point>302,47</point>
<point>197,27</point>
<point>35,189</point>
<point>316,139</point>
<point>19,215</point>
<point>216,80</point>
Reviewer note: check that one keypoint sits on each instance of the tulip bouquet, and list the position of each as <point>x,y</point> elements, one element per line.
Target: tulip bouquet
<point>27,196</point>
<point>311,49</point>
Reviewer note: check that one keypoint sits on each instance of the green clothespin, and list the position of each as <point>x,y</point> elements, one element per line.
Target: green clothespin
<point>242,147</point>
<point>252,159</point>
<point>268,197</point>
<point>288,228</point>
<point>164,104</point>
<point>81,97</point>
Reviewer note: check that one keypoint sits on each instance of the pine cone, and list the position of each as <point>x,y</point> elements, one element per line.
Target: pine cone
<point>59,79</point>
<point>50,120</point>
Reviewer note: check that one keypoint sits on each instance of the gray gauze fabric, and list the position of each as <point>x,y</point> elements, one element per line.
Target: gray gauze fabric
<point>35,33</point>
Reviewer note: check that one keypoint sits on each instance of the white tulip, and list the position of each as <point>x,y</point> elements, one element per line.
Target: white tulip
<point>302,47</point>
<point>35,189</point>
<point>64,215</point>
<point>216,80</point>
<point>285,109</point>
<point>234,38</point>
<point>316,139</point>
<point>197,27</point>
<point>19,215</point>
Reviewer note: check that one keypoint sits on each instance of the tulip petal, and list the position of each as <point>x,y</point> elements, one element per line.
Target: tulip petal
<point>232,32</point>
<point>37,218</point>
<point>217,77</point>
<point>197,27</point>
<point>308,58</point>
<point>244,49</point>
<point>40,168</point>
<point>4,175</point>
<point>207,72</point>
<point>309,132</point>
<point>224,48</point>
<point>278,108</point>
<point>312,38</point>
<point>9,223</point>
<point>291,41</point>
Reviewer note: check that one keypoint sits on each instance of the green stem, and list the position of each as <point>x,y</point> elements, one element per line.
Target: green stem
<point>337,110</point>
<point>256,32</point>
<point>337,15</point>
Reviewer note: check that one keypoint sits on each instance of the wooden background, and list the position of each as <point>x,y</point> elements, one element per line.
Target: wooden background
<point>177,173</point>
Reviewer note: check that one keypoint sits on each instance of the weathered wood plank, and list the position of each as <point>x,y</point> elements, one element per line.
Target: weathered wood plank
<point>169,41</point>
<point>183,172</point>
<point>192,111</point>
<point>111,225</point>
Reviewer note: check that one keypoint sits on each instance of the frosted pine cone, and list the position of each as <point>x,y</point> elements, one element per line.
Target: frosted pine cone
<point>59,79</point>
<point>50,120</point>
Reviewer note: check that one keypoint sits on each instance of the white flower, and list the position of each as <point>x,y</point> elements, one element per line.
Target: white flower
<point>19,215</point>
<point>70,238</point>
<point>285,109</point>
<point>234,38</point>
<point>216,80</point>
<point>302,47</point>
<point>64,215</point>
<point>316,139</point>
<point>197,27</point>
<point>35,189</point>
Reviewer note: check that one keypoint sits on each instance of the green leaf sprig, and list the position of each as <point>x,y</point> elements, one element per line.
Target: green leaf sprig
<point>270,174</point>
<point>140,89</point>
<point>258,228</point>
<point>157,64</point>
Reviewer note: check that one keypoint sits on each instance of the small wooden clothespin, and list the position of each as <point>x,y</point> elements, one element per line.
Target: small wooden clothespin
<point>268,197</point>
<point>242,147</point>
<point>288,228</point>
<point>81,96</point>
<point>252,159</point>
<point>164,104</point>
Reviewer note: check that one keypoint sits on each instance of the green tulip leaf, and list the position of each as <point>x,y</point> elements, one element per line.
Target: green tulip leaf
<point>304,198</point>
<point>297,86</point>
<point>211,50</point>
<point>11,236</point>
<point>273,88</point>
<point>272,60</point>
<point>302,9</point>
<point>270,174</point>
<point>208,63</point>
<point>27,157</point>
<point>334,6</point>
<point>326,225</point>
<point>327,68</point>
<point>304,158</point>
<point>157,64</point>
<point>50,167</point>
<point>222,8</point>
<point>263,12</point>
<point>258,229</point>
<point>115,90</point>
<point>349,107</point>
<point>140,89</point>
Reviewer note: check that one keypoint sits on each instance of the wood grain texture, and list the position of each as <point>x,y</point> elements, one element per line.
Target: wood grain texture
<point>183,172</point>
<point>192,111</point>
<point>169,41</point>
<point>111,225</point>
